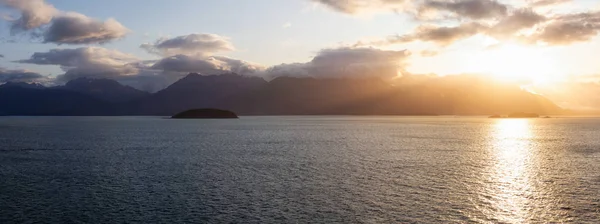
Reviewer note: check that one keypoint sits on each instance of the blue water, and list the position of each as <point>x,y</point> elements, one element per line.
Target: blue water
<point>299,170</point>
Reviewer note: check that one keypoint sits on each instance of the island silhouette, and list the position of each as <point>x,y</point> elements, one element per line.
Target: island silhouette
<point>206,113</point>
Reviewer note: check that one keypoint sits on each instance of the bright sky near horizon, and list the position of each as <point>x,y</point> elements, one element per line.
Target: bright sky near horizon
<point>539,40</point>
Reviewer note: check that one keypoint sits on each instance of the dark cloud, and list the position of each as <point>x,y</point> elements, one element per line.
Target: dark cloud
<point>356,6</point>
<point>208,65</point>
<point>345,62</point>
<point>473,9</point>
<point>568,29</point>
<point>524,25</point>
<point>439,35</point>
<point>80,57</point>
<point>193,44</point>
<point>34,13</point>
<point>20,76</point>
<point>74,28</point>
<point>494,18</point>
<point>97,62</point>
<point>43,20</point>
<point>92,62</point>
<point>97,71</point>
<point>564,33</point>
<point>1,56</point>
<point>239,66</point>
<point>184,63</point>
<point>517,21</point>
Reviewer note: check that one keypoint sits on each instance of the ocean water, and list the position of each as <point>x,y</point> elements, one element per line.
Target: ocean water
<point>299,170</point>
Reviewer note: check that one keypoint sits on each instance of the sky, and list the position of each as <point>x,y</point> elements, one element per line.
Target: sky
<point>151,43</point>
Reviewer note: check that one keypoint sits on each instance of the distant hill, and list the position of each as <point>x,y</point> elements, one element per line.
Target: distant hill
<point>19,100</point>
<point>282,96</point>
<point>309,96</point>
<point>23,85</point>
<point>105,89</point>
<point>194,91</point>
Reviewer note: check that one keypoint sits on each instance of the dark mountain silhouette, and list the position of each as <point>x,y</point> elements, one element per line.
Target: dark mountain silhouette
<point>19,100</point>
<point>457,95</point>
<point>194,91</point>
<point>310,96</point>
<point>476,95</point>
<point>23,85</point>
<point>105,89</point>
<point>373,96</point>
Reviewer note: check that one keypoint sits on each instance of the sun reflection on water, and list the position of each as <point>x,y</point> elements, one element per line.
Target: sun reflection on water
<point>509,186</point>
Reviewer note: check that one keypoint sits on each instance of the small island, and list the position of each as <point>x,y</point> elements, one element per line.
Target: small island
<point>205,114</point>
<point>523,115</point>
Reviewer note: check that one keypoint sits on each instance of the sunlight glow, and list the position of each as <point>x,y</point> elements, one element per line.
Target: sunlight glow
<point>511,62</point>
<point>509,176</point>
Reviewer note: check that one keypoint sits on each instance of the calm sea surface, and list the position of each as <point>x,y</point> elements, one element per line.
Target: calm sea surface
<point>299,170</point>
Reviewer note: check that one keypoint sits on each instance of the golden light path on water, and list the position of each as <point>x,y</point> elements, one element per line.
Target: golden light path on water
<point>509,184</point>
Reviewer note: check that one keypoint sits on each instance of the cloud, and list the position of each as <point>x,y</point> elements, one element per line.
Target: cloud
<point>20,76</point>
<point>54,26</point>
<point>517,21</point>
<point>192,44</point>
<point>79,57</point>
<point>358,6</point>
<point>92,62</point>
<point>473,9</point>
<point>208,66</point>
<point>75,28</point>
<point>436,34</point>
<point>544,3</point>
<point>287,25</point>
<point>568,29</point>
<point>99,63</point>
<point>523,25</point>
<point>345,62</point>
<point>34,13</point>
<point>1,56</point>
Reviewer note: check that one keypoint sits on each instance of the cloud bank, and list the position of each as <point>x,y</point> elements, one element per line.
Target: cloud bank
<point>208,65</point>
<point>75,28</point>
<point>19,75</point>
<point>91,62</point>
<point>472,9</point>
<point>345,62</point>
<point>53,26</point>
<point>201,44</point>
<point>445,22</point>
<point>34,13</point>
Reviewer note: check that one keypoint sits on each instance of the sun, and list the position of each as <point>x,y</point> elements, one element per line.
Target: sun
<point>516,63</point>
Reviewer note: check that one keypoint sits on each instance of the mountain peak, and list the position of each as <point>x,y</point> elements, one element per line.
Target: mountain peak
<point>193,75</point>
<point>88,82</point>
<point>24,85</point>
<point>194,79</point>
<point>106,89</point>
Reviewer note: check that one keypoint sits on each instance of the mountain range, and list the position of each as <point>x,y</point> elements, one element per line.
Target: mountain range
<point>281,96</point>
